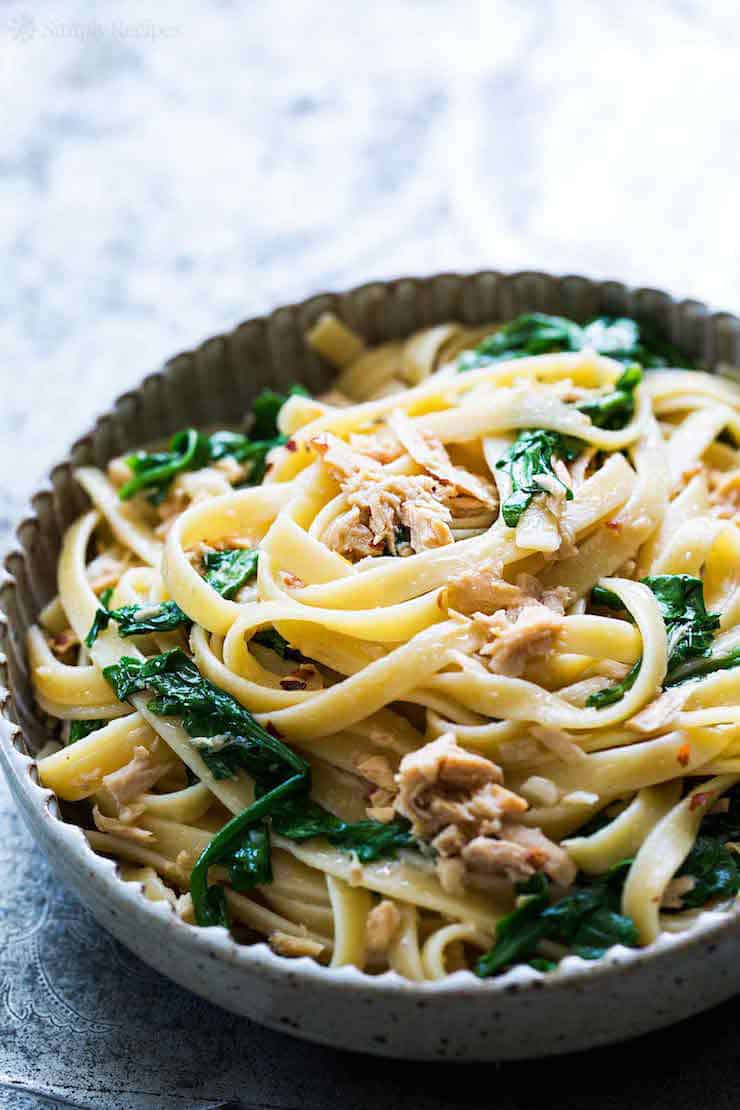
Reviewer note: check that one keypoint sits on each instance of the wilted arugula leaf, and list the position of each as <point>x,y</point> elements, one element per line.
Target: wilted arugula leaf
<point>713,868</point>
<point>243,844</point>
<point>689,626</point>
<point>271,638</point>
<point>606,599</point>
<point>533,333</point>
<point>207,712</point>
<point>531,454</point>
<point>248,862</point>
<point>300,818</point>
<point>586,920</point>
<point>690,630</point>
<point>266,409</point>
<point>519,933</point>
<point>101,620</point>
<point>152,472</point>
<point>611,694</point>
<point>616,408</point>
<point>227,571</point>
<point>700,668</point>
<point>78,730</point>
<point>189,449</point>
<point>136,620</point>
<point>536,333</point>
<point>628,340</point>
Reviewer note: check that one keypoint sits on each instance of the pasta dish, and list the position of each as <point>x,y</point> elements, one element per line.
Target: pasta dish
<point>437,671</point>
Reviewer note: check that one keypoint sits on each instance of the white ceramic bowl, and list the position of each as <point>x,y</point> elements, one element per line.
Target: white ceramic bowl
<point>520,1014</point>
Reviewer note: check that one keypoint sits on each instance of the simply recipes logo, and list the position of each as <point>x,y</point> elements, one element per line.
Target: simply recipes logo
<point>24,27</point>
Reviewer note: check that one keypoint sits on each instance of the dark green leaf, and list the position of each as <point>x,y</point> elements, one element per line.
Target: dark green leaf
<point>536,333</point>
<point>101,620</point>
<point>714,869</point>
<point>227,571</point>
<point>702,667</point>
<point>616,692</point>
<point>153,472</point>
<point>249,862</point>
<point>266,408</point>
<point>628,340</point>
<point>616,408</point>
<point>271,638</point>
<point>292,814</point>
<point>530,455</point>
<point>519,933</point>
<point>606,599</point>
<point>210,908</point>
<point>136,620</point>
<point>78,730</point>
<point>533,333</point>
<point>300,818</point>
<point>586,921</point>
<point>207,712</point>
<point>689,626</point>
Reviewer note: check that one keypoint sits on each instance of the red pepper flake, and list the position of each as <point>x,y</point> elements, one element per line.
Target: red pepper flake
<point>292,684</point>
<point>684,754</point>
<point>614,525</point>
<point>701,799</point>
<point>291,445</point>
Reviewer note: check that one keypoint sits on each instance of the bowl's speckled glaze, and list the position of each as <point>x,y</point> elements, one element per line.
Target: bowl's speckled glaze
<point>520,1014</point>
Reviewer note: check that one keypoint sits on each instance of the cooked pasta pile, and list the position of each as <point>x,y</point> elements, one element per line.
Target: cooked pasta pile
<point>435,672</point>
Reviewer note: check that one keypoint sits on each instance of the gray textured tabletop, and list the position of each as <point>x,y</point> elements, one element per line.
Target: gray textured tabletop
<point>167,170</point>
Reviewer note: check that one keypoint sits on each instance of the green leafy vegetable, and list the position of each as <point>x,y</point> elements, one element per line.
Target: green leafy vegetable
<point>209,902</point>
<point>701,668</point>
<point>713,866</point>
<point>616,408</point>
<point>266,409</point>
<point>606,599</point>
<point>586,921</point>
<point>271,638</point>
<point>248,862</point>
<point>189,449</point>
<point>101,620</point>
<point>301,819</point>
<point>281,777</point>
<point>207,712</point>
<point>530,455</point>
<point>616,692</point>
<point>78,730</point>
<point>628,340</point>
<point>136,620</point>
<point>227,571</point>
<point>690,630</point>
<point>689,626</point>
<point>715,872</point>
<point>536,333</point>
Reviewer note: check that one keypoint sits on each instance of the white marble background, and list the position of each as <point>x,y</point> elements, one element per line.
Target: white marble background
<point>169,169</point>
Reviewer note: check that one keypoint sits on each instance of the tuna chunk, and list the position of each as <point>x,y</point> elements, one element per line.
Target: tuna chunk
<point>382,925</point>
<point>429,452</point>
<point>442,784</point>
<point>135,777</point>
<point>511,644</point>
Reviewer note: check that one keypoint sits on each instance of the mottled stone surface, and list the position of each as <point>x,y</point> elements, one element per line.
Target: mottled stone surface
<point>167,170</point>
